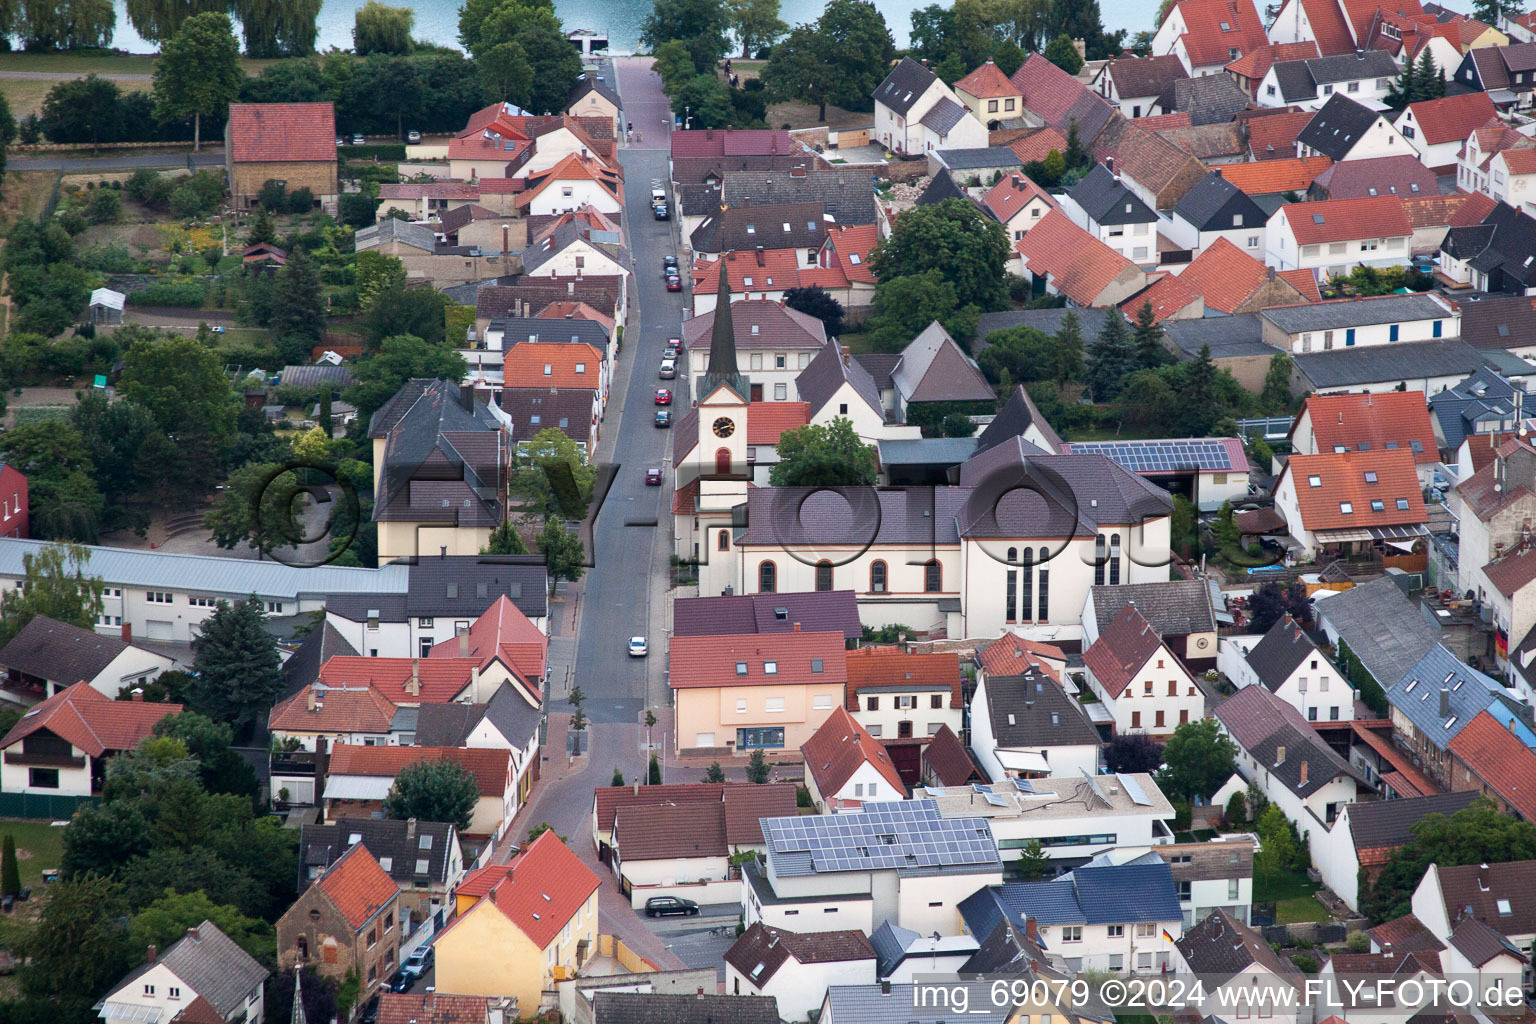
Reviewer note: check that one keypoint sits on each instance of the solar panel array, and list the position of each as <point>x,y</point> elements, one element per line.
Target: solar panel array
<point>1133,788</point>
<point>884,835</point>
<point>1159,456</point>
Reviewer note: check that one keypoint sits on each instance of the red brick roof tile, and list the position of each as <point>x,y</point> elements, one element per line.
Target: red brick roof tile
<point>768,270</point>
<point>90,720</point>
<point>490,767</point>
<point>503,631</point>
<point>1268,177</point>
<point>1012,655</point>
<point>1038,145</point>
<point>891,666</point>
<point>1304,282</point>
<point>1011,195</point>
<point>1343,482</point>
<point>1256,64</point>
<point>1224,276</point>
<point>282,132</point>
<point>344,710</point>
<point>1344,220</point>
<point>440,679</point>
<point>431,1008</point>
<point>534,364</point>
<point>1329,27</point>
<point>1504,763</point>
<point>1048,91</point>
<point>1452,118</point>
<point>838,749</point>
<point>713,660</point>
<point>1168,295</point>
<point>1273,137</point>
<point>1374,421</point>
<point>987,82</point>
<point>357,885</point>
<point>1122,648</point>
<point>548,885</point>
<point>1080,266</point>
<point>1164,122</point>
<point>1512,573</point>
<point>1216,27</point>
<point>946,758</point>
<point>767,420</point>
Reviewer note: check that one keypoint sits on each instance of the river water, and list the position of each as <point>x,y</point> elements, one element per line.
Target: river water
<point>437,21</point>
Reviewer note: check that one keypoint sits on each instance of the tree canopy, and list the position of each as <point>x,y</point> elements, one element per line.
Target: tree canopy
<point>433,791</point>
<point>377,28</point>
<point>955,238</point>
<point>398,359</point>
<point>238,674</point>
<point>1197,759</point>
<point>56,585</point>
<point>198,72</point>
<point>702,26</point>
<point>1476,834</point>
<point>823,456</point>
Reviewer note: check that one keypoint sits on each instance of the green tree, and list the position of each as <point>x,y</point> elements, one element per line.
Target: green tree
<point>824,456</point>
<point>1476,834</point>
<point>815,301</point>
<point>1133,752</point>
<point>239,676</point>
<point>1496,12</point>
<point>564,553</point>
<point>376,274</point>
<point>552,477</point>
<point>1112,356</point>
<point>433,791</point>
<point>506,73</point>
<point>1069,347</point>
<point>258,506</point>
<point>702,25</point>
<point>1197,759</point>
<point>1008,56</point>
<point>62,497</point>
<point>7,132</point>
<point>653,777</point>
<point>758,770</point>
<point>1182,527</point>
<point>1431,79</point>
<point>181,382</point>
<point>674,64</point>
<point>705,102</point>
<point>78,949</point>
<point>159,20</point>
<point>1277,847</point>
<point>800,66</point>
<point>1237,812</point>
<point>65,24</point>
<point>1148,337</point>
<point>298,310</point>
<point>1370,690</point>
<point>10,871</point>
<point>859,49</point>
<point>277,28</point>
<point>198,72</point>
<point>1033,865</point>
<point>536,29</point>
<point>420,312</point>
<point>905,305</point>
<point>220,768</point>
<point>1197,397</point>
<point>505,540</point>
<point>1276,395</point>
<point>88,109</point>
<point>1064,55</point>
<point>714,773</point>
<point>1229,537</point>
<point>618,779</point>
<point>953,237</point>
<point>55,585</point>
<point>951,69</point>
<point>1405,88</point>
<point>755,23</point>
<point>386,370</point>
<point>377,28</point>
<point>1146,399</point>
<point>167,919</point>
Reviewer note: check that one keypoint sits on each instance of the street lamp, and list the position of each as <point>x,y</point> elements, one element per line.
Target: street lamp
<point>687,118</point>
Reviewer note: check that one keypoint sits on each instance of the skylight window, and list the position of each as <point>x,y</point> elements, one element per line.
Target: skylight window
<point>1402,504</point>
<point>1377,505</point>
<point>1391,446</point>
<point>770,668</point>
<point>1416,445</point>
<point>741,668</point>
<point>1370,476</point>
<point>854,258</point>
<point>1317,218</point>
<point>1504,908</point>
<point>1314,481</point>
<point>1347,507</point>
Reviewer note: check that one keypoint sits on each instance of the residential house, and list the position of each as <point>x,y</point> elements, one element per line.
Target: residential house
<point>344,923</point>
<point>591,97</point>
<point>1101,916</point>
<point>1290,665</point>
<point>311,720</point>
<point>897,695</point>
<point>945,761</point>
<point>844,194</point>
<point>1477,414</point>
<point>1206,100</point>
<point>1223,279</point>
<point>916,112</point>
<point>1019,418</point>
<point>773,343</point>
<point>1269,179</point>
<point>1437,129</point>
<point>1498,255</point>
<point>765,275</point>
<point>1380,320</point>
<point>1512,177</point>
<point>1153,167</point>
<point>1221,473</point>
<point>1145,687</point>
<point>1233,961</point>
<point>572,411</point>
<point>473,226</point>
<point>796,969</point>
<point>422,857</point>
<point>684,848</point>
<point>1385,631</point>
<point>1367,422</point>
<point>1500,325</point>
<point>553,364</point>
<point>1179,610</point>
<point>788,224</point>
<point>535,926</point>
<point>1286,759</point>
<point>843,265</point>
<point>1509,601</point>
<point>1335,501</point>
<point>1364,76</point>
<point>1063,259</point>
<point>819,878</point>
<point>430,261</point>
<point>1474,158</point>
<point>1321,22</point>
<point>1233,341</point>
<point>291,143</point>
<point>1207,876</point>
<point>577,180</point>
<point>504,332</point>
<point>14,509</point>
<point>1433,216</point>
<point>46,656</point>
<point>1025,726</point>
<point>845,765</point>
<point>934,371</point>
<point>574,249</point>
<point>60,747</point>
<point>1345,130</point>
<point>1495,507</point>
<point>736,803</point>
<point>902,1003</point>
<point>989,96</point>
<point>1017,204</point>
<point>1330,238</point>
<point>1487,893</point>
<point>424,201</point>
<point>1207,36</point>
<point>1401,175</point>
<point>1427,366</point>
<point>1217,209</point>
<point>358,779</point>
<point>744,692</point>
<point>203,976</point>
<point>1356,849</point>
<point>527,296</point>
<point>1506,73</point>
<point>1493,762</point>
<point>1134,83</point>
<point>1103,206</point>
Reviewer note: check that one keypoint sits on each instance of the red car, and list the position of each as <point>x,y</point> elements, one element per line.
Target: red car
<point>663,396</point>
<point>674,284</point>
<point>653,477</point>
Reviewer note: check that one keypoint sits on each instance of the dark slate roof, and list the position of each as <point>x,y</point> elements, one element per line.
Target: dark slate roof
<point>589,83</point>
<point>1209,99</point>
<point>973,159</point>
<point>1507,254</point>
<point>767,613</point>
<point>213,965</point>
<point>1214,201</point>
<point>1415,360</point>
<point>1135,77</point>
<point>1175,608</point>
<point>517,329</point>
<point>1439,676</point>
<point>902,1004</point>
<point>847,196</point>
<point>907,81</point>
<point>1480,943</point>
<point>1042,714</point>
<point>747,227</point>
<point>322,643</point>
<point>879,365</point>
<point>1107,200</point>
<point>1497,321</point>
<point>1382,627</point>
<point>820,380</point>
<point>339,377</point>
<point>1221,946</point>
<point>762,950</point>
<point>1284,647</point>
<point>1095,894</point>
<point>1386,309</point>
<point>1380,824</point>
<point>779,515</point>
<point>942,187</point>
<point>391,607</point>
<point>1228,337</point>
<point>1090,320</point>
<point>60,652</point>
<point>509,711</point>
<point>1309,762</point>
<point>1015,417</point>
<point>1337,126</point>
<point>442,396</point>
<point>463,586</point>
<point>667,1008</point>
<point>1468,407</point>
<point>387,839</point>
<point>944,115</point>
<point>1005,951</point>
<point>1295,81</point>
<point>536,409</point>
<point>1064,488</point>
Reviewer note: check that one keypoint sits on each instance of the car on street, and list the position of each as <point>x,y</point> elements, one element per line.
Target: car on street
<point>638,647</point>
<point>674,284</point>
<point>413,137</point>
<point>663,417</point>
<point>653,476</point>
<point>669,267</point>
<point>661,906</point>
<point>668,369</point>
<point>340,141</point>
<point>663,396</point>
<point>399,982</point>
<point>674,347</point>
<point>418,962</point>
<point>357,139</point>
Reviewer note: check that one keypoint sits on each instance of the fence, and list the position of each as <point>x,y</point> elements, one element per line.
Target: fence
<point>42,805</point>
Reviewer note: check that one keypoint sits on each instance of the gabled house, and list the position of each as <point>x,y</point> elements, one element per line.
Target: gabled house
<point>897,695</point>
<point>989,96</point>
<point>1230,957</point>
<point>1506,73</point>
<point>915,112</point>
<point>1333,502</point>
<point>846,766</point>
<point>1026,727</point>
<point>1345,130</point>
<point>797,969</point>
<point>47,655</point>
<point>1512,177</point>
<point>574,249</point>
<point>1222,279</point>
<point>736,803</point>
<point>1062,258</point>
<point>1351,855</point>
<point>1102,205</point>
<point>1481,145</point>
<point>1330,238</point>
<point>1153,167</point>
<point>1179,610</point>
<point>1437,129</point>
<point>932,372</point>
<point>1384,630</point>
<point>773,344</point>
<point>1133,672</point>
<point>1321,22</point>
<point>294,143</point>
<point>536,925</point>
<point>1207,35</point>
<point>1134,84</point>
<point>203,976</point>
<point>423,858</point>
<point>359,778</point>
<point>576,180</point>
<point>1401,175</point>
<point>591,97</point>
<point>1475,415</point>
<point>1498,255</point>
<point>1249,69</point>
<point>61,746</point>
<point>1270,178</point>
<point>1217,209</point>
<point>1493,762</point>
<point>946,762</point>
<point>1365,322</point>
<point>1017,204</point>
<point>1290,665</point>
<point>1495,506</point>
<point>1494,895</point>
<point>1394,421</point>
<point>1365,76</point>
<point>347,921</point>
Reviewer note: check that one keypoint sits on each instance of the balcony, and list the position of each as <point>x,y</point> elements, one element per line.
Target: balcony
<point>43,760</point>
<point>295,763</point>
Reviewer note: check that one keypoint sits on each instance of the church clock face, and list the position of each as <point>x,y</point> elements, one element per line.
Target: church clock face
<point>724,427</point>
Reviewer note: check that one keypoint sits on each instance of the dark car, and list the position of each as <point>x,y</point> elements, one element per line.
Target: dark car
<point>370,1012</point>
<point>661,906</point>
<point>400,982</point>
<point>663,417</point>
<point>669,267</point>
<point>653,477</point>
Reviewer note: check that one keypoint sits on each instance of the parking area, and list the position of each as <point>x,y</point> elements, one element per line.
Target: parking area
<point>699,941</point>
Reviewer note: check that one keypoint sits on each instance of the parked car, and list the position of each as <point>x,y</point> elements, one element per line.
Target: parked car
<point>413,137</point>
<point>663,418</point>
<point>674,284</point>
<point>638,647</point>
<point>669,266</point>
<point>358,140</point>
<point>663,396</point>
<point>370,1014</point>
<point>340,141</point>
<point>661,906</point>
<point>399,982</point>
<point>653,477</point>
<point>418,962</point>
<point>668,369</point>
<point>673,349</point>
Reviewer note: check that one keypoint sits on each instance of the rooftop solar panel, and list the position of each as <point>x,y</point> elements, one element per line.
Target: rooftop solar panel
<point>1133,789</point>
<point>1160,456</point>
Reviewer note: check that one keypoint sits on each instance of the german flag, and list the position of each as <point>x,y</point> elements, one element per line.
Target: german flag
<point>1166,936</point>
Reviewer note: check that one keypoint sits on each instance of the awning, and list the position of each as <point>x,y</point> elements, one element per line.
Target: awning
<point>1023,761</point>
<point>357,787</point>
<point>1342,536</point>
<point>131,1012</point>
<point>1389,532</point>
<point>1099,713</point>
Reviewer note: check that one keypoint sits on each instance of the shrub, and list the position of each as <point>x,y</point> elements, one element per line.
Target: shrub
<point>1304,964</point>
<point>1358,942</point>
<point>105,206</point>
<point>272,197</point>
<point>301,200</point>
<point>170,293</point>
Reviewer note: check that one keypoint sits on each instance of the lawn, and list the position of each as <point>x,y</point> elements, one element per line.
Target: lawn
<point>100,62</point>
<point>38,845</point>
<point>27,192</point>
<point>1294,897</point>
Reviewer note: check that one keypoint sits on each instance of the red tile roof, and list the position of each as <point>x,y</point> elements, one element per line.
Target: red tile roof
<point>1168,295</point>
<point>1164,122</point>
<point>1224,275</point>
<point>1256,63</point>
<point>1453,117</point>
<point>549,884</point>
<point>1329,27</point>
<point>1012,655</point>
<point>90,720</point>
<point>1215,27</point>
<point>1080,266</point>
<point>768,270</point>
<point>534,364</point>
<point>1458,211</point>
<point>1401,175</point>
<point>1273,137</point>
<point>1342,481</point>
<point>502,631</point>
<point>1361,14</point>
<point>1304,282</point>
<point>357,885</point>
<point>576,311</point>
<point>949,763</point>
<point>848,248</point>
<point>1499,758</point>
<point>891,666</point>
<point>441,679</point>
<point>738,142</point>
<point>741,829</point>
<point>490,767</point>
<point>1372,421</point>
<point>282,132</point>
<point>767,420</point>
<point>1344,220</point>
<point>1519,161</point>
<point>1011,195</point>
<point>837,750</point>
<point>987,82</point>
<point>713,660</point>
<point>1038,145</point>
<point>1512,573</point>
<point>1048,91</point>
<point>1123,647</point>
<point>1268,177</point>
<point>573,167</point>
<point>431,1008</point>
<point>350,709</point>
<point>502,186</point>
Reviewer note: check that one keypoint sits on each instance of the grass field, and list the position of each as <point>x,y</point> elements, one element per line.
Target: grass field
<point>26,193</point>
<point>130,71</point>
<point>38,845</point>
<point>1294,896</point>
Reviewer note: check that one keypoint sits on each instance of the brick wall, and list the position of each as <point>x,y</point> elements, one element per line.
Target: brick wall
<point>246,179</point>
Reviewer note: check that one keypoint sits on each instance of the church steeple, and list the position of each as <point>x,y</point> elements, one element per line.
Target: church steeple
<point>723,368</point>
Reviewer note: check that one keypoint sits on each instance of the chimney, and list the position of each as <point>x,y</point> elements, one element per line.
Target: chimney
<point>506,239</point>
<point>760,260</point>
<point>1032,929</point>
<point>798,171</point>
<point>1279,756</point>
<point>127,632</point>
<point>463,633</point>
<point>701,993</point>
<point>194,935</point>
<point>414,686</point>
<point>709,133</point>
<point>1109,164</point>
<point>1304,772</point>
<point>797,627</point>
<point>410,828</point>
<point>1445,701</point>
<point>637,788</point>
<point>150,954</point>
<point>847,356</point>
<point>885,986</point>
<point>310,701</point>
<point>138,693</point>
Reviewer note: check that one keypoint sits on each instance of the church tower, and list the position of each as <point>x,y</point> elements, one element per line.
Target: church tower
<point>724,396</point>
